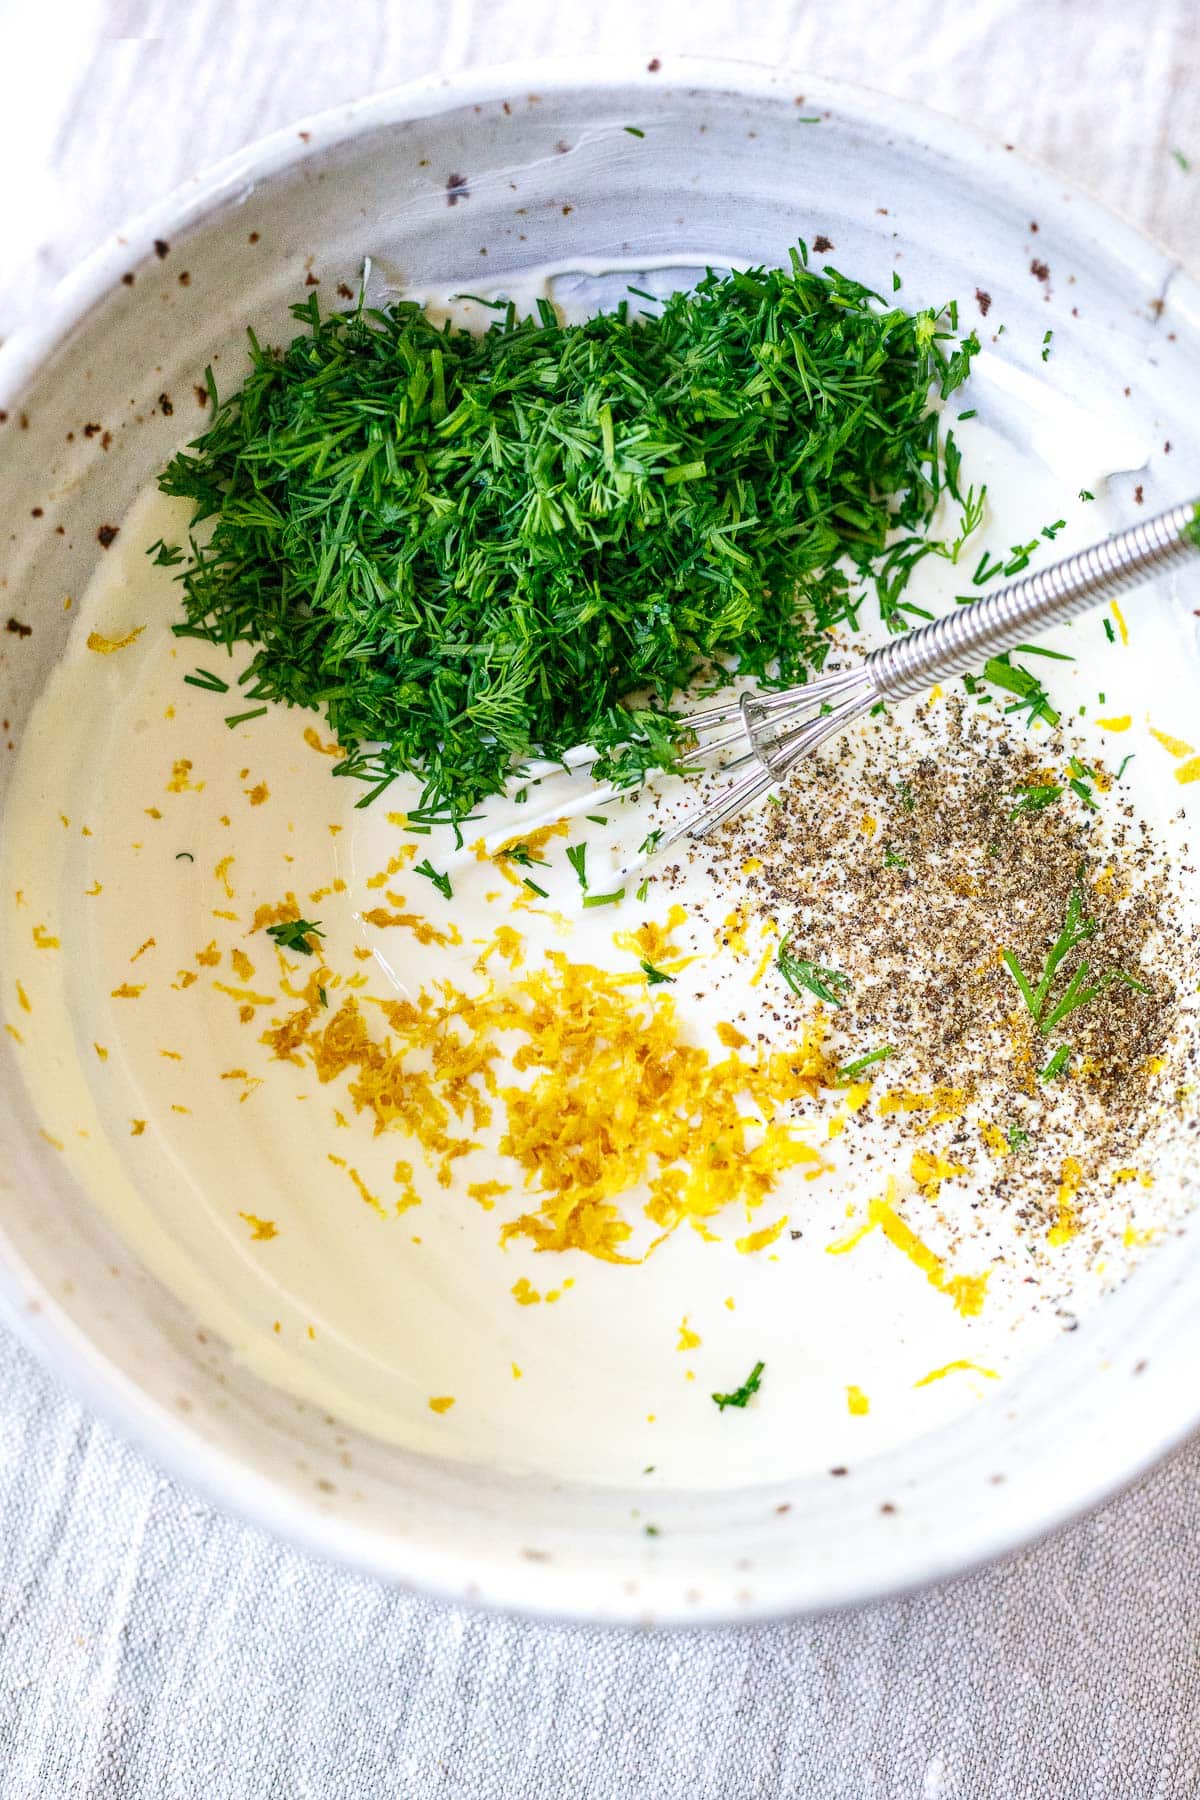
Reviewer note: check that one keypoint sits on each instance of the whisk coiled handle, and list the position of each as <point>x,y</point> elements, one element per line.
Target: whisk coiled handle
<point>954,645</point>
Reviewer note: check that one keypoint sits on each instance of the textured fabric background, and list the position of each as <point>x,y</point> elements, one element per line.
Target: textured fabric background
<point>152,1649</point>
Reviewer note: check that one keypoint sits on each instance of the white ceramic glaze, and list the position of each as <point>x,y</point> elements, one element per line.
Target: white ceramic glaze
<point>731,165</point>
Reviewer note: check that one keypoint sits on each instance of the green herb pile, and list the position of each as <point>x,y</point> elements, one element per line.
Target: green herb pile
<point>470,550</point>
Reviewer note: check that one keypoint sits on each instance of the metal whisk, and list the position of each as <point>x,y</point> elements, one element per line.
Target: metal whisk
<point>774,731</point>
<point>778,729</point>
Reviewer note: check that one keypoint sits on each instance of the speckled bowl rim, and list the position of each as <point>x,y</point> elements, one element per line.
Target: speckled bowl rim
<point>54,1336</point>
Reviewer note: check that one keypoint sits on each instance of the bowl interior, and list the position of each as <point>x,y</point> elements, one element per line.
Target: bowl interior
<point>431,185</point>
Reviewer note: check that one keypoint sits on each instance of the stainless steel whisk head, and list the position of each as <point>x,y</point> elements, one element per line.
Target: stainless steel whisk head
<point>766,734</point>
<point>778,730</point>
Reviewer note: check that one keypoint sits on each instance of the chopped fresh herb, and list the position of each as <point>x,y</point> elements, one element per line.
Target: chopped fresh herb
<point>986,567</point>
<point>164,556</point>
<point>1086,494</point>
<point>650,843</point>
<point>904,790</point>
<point>520,854</point>
<point>852,1070</point>
<point>1052,531</point>
<point>470,549</point>
<point>969,522</point>
<point>654,977</point>
<point>596,819</point>
<point>539,891</point>
<point>1036,798</point>
<point>204,678</point>
<point>294,934</point>
<point>521,796</point>
<point>233,720</point>
<point>741,1396</point>
<point>1047,340</point>
<point>1125,762</point>
<point>650,1530</point>
<point>969,414</point>
<point>1019,557</point>
<point>891,860</point>
<point>1018,1138</point>
<point>896,282</point>
<point>577,857</point>
<point>1057,1063</point>
<point>643,890</point>
<point>633,131</point>
<point>440,882</point>
<point>1182,160</point>
<point>1077,928</point>
<point>1080,775</point>
<point>604,899</point>
<point>1109,633</point>
<point>803,976</point>
<point>323,996</point>
<point>181,854</point>
<point>1031,695</point>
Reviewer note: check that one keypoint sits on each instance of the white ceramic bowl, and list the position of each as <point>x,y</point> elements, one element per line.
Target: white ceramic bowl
<point>731,163</point>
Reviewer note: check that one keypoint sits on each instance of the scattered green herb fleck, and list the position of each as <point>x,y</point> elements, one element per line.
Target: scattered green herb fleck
<point>650,843</point>
<point>804,976</point>
<point>604,899</point>
<point>851,1070</point>
<point>204,678</point>
<point>164,556</point>
<point>181,854</point>
<point>596,819</point>
<point>539,891</point>
<point>891,860</point>
<point>1086,494</point>
<point>440,882</point>
<point>1057,1063</point>
<point>1077,928</point>
<point>740,1396</point>
<point>1125,762</point>
<point>1036,798</point>
<point>1182,160</point>
<point>1018,1138</point>
<point>1031,696</point>
<point>1109,633</point>
<point>654,977</point>
<point>294,934</point>
<point>1047,340</point>
<point>522,855</point>
<point>643,890</point>
<point>633,131</point>
<point>577,857</point>
<point>323,996</point>
<point>233,720</point>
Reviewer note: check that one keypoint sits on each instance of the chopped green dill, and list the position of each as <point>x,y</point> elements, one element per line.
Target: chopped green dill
<point>577,857</point>
<point>1052,531</point>
<point>1182,160</point>
<point>1036,798</point>
<point>740,1396</point>
<point>1018,1139</point>
<point>633,131</point>
<point>1019,557</point>
<point>905,793</point>
<point>1031,696</point>
<point>851,1070</point>
<point>969,414</point>
<point>1041,650</point>
<point>892,860</point>
<point>596,819</point>
<point>521,796</point>
<point>654,977</point>
<point>181,854</point>
<point>440,882</point>
<point>470,549</point>
<point>986,567</point>
<point>522,855</point>
<point>604,899</point>
<point>804,976</point>
<point>897,284</point>
<point>539,891</point>
<point>1047,340</point>
<point>643,891</point>
<point>1125,762</point>
<point>1045,1013</point>
<point>969,522</point>
<point>164,556</point>
<point>650,843</point>
<point>1109,633</point>
<point>323,996</point>
<point>1057,1063</point>
<point>233,720</point>
<point>1086,494</point>
<point>294,934</point>
<point>204,678</point>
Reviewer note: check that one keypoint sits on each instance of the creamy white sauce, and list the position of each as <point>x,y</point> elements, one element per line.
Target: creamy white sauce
<point>373,1316</point>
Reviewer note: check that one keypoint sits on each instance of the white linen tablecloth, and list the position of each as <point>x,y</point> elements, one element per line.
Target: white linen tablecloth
<point>151,1649</point>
